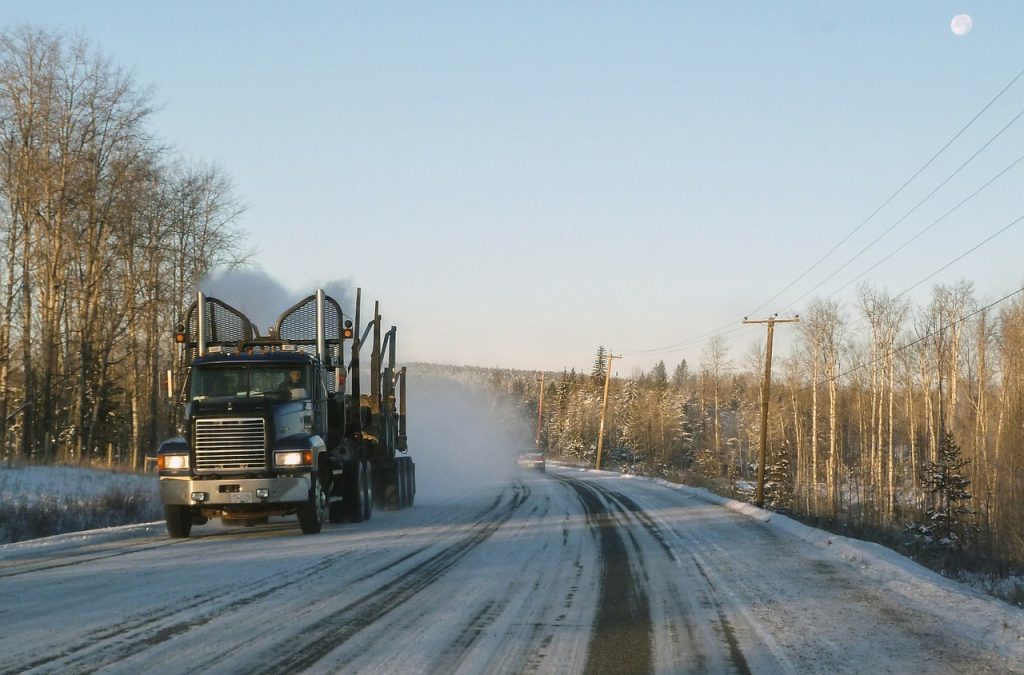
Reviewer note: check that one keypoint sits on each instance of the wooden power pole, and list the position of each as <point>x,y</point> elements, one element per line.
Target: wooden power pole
<point>540,410</point>
<point>762,457</point>
<point>604,407</point>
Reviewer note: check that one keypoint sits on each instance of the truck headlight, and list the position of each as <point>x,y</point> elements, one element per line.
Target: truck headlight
<point>293,458</point>
<point>172,462</point>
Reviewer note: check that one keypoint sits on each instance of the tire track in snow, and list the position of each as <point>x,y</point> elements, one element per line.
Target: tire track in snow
<point>17,568</point>
<point>706,594</point>
<point>622,629</point>
<point>112,644</point>
<point>452,656</point>
<point>116,549</point>
<point>729,635</point>
<point>522,619</point>
<point>328,633</point>
<point>139,632</point>
<point>118,643</point>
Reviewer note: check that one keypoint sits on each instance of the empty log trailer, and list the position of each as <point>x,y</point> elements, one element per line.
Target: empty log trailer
<point>278,425</point>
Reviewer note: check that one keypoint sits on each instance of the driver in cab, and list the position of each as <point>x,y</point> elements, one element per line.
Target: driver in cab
<point>292,386</point>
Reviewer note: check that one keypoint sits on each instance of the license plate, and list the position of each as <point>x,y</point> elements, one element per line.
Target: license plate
<point>241,498</point>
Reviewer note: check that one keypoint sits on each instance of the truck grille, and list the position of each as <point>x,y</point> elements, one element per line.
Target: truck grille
<point>230,444</point>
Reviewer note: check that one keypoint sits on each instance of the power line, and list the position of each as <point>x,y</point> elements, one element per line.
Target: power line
<point>893,195</point>
<point>940,270</point>
<point>914,208</point>
<point>727,330</point>
<point>732,332</point>
<point>962,256</point>
<point>930,226</point>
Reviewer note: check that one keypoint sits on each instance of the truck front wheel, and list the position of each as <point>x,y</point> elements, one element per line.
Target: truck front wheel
<point>311,514</point>
<point>179,520</point>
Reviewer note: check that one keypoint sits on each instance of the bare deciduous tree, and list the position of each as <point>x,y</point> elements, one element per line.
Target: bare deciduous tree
<point>104,235</point>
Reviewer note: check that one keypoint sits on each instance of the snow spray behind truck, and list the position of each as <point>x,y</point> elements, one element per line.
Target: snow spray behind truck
<point>268,428</point>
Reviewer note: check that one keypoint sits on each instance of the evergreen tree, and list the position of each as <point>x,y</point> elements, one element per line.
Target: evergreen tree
<point>778,485</point>
<point>681,376</point>
<point>708,464</point>
<point>630,437</point>
<point>598,371</point>
<point>659,377</point>
<point>946,485</point>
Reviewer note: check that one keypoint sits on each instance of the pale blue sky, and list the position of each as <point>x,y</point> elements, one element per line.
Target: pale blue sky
<point>522,182</point>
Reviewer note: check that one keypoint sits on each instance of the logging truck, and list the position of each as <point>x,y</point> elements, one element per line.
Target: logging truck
<point>278,425</point>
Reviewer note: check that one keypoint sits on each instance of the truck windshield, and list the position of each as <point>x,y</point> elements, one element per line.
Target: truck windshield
<point>235,381</point>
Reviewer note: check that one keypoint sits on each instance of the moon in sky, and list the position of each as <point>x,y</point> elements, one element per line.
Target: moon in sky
<point>961,24</point>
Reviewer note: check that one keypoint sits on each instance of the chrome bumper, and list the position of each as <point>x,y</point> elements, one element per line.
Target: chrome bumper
<point>280,490</point>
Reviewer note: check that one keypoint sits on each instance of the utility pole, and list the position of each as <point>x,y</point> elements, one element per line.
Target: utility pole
<point>540,410</point>
<point>604,406</point>
<point>762,457</point>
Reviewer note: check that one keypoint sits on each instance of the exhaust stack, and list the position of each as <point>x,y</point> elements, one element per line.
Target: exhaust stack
<point>201,330</point>
<point>321,328</point>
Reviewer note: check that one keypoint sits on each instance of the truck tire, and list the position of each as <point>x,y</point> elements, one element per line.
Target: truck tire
<point>392,487</point>
<point>402,475</point>
<point>311,514</point>
<point>368,489</point>
<point>380,488</point>
<point>179,520</point>
<point>412,480</point>
<point>407,482</point>
<point>336,510</point>
<point>355,491</point>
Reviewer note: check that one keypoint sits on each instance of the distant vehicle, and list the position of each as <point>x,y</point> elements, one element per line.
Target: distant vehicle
<point>532,460</point>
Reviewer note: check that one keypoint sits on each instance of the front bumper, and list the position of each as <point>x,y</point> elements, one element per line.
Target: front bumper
<point>235,492</point>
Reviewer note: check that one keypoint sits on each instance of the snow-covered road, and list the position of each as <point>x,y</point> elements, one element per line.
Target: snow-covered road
<point>572,571</point>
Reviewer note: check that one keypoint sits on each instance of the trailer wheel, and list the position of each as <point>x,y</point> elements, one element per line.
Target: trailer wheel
<point>407,482</point>
<point>393,487</point>
<point>355,492</point>
<point>367,490</point>
<point>380,488</point>
<point>401,478</point>
<point>311,514</point>
<point>179,520</point>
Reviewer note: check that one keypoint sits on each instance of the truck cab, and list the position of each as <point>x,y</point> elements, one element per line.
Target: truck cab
<point>254,442</point>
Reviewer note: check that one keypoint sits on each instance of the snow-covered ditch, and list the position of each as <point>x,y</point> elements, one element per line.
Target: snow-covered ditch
<point>41,501</point>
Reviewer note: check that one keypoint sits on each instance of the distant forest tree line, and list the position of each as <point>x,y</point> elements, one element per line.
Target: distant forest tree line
<point>883,419</point>
<point>104,234</point>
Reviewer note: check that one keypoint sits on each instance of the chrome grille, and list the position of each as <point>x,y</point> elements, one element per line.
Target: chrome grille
<point>230,444</point>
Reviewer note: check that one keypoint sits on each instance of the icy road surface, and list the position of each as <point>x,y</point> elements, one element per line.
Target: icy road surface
<point>568,572</point>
